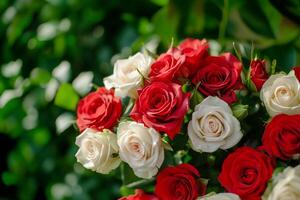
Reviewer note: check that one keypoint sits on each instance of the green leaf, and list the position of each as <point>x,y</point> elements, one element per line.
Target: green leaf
<point>168,160</point>
<point>195,18</point>
<point>59,45</point>
<point>240,111</point>
<point>166,143</point>
<point>180,142</point>
<point>251,85</point>
<point>17,27</point>
<point>211,159</point>
<point>40,76</point>
<point>196,98</point>
<point>66,97</point>
<point>187,87</point>
<point>128,175</point>
<point>160,2</point>
<point>165,24</point>
<point>261,17</point>
<point>278,170</point>
<point>40,136</point>
<point>9,178</point>
<point>289,8</point>
<point>125,191</point>
<point>237,50</point>
<point>181,156</point>
<point>285,55</point>
<point>273,66</point>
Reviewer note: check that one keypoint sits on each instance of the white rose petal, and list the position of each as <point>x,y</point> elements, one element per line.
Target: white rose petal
<point>281,94</point>
<point>98,150</point>
<point>128,75</point>
<point>287,185</point>
<point>213,126</point>
<point>220,196</point>
<point>141,148</point>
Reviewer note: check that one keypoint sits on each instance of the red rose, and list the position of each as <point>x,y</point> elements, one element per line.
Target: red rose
<point>167,65</point>
<point>162,106</point>
<point>195,51</point>
<point>258,73</point>
<point>246,172</point>
<point>219,76</point>
<point>281,138</point>
<point>180,182</point>
<point>297,72</point>
<point>99,110</point>
<point>140,195</point>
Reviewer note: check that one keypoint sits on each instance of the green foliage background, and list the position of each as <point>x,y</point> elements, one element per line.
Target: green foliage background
<point>51,50</point>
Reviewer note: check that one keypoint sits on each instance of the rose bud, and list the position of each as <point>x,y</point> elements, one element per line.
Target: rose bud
<point>258,73</point>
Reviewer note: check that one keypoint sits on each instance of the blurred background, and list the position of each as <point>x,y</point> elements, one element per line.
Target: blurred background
<point>52,50</point>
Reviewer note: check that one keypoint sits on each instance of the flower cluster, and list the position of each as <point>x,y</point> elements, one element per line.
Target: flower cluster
<point>187,120</point>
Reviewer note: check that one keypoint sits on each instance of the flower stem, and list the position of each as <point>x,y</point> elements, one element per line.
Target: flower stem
<point>223,24</point>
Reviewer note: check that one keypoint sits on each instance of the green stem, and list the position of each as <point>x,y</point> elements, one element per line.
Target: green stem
<point>140,183</point>
<point>223,23</point>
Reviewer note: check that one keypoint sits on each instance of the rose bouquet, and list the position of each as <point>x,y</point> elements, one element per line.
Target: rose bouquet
<point>189,125</point>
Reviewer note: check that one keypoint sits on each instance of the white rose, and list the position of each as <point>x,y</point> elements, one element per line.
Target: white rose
<point>141,148</point>
<point>220,196</point>
<point>281,94</point>
<point>287,185</point>
<point>127,78</point>
<point>98,150</point>
<point>213,126</point>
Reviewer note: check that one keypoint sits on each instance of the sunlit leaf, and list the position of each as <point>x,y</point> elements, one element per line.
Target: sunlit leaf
<point>40,76</point>
<point>66,97</point>
<point>62,72</point>
<point>165,24</point>
<point>261,17</point>
<point>17,27</point>
<point>12,68</point>
<point>63,122</point>
<point>9,178</point>
<point>83,82</point>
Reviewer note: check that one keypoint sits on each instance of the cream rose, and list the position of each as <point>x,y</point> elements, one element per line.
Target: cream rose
<point>281,94</point>
<point>213,126</point>
<point>287,185</point>
<point>98,151</point>
<point>220,196</point>
<point>141,148</point>
<point>128,75</point>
